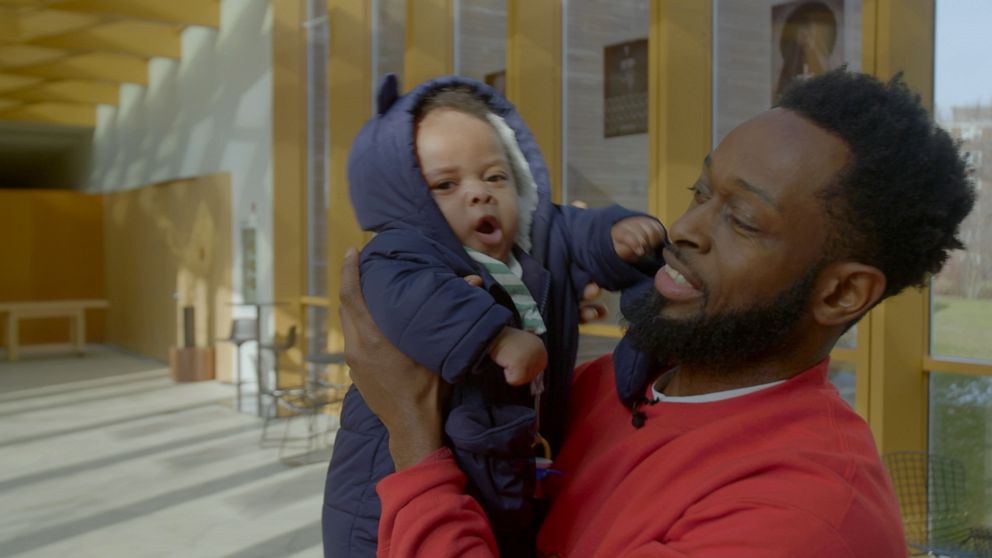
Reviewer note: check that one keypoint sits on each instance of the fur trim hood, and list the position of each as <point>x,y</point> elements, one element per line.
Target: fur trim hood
<point>386,183</point>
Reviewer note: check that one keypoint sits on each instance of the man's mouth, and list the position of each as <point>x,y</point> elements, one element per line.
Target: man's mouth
<point>673,285</point>
<point>676,276</point>
<point>489,231</point>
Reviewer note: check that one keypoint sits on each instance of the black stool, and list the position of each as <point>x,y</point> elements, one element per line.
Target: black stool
<point>275,392</point>
<point>242,331</point>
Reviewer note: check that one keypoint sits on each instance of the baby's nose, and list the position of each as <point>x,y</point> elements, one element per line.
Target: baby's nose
<point>478,192</point>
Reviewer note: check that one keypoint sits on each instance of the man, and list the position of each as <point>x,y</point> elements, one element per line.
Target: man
<point>731,441</point>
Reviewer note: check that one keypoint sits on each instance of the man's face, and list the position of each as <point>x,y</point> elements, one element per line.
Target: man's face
<point>745,255</point>
<point>467,170</point>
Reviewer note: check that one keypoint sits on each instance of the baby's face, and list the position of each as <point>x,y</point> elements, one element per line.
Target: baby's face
<point>466,167</point>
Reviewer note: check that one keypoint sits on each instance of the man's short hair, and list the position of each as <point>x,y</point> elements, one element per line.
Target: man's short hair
<point>898,203</point>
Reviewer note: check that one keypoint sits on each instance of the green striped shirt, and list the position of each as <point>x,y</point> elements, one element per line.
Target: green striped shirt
<point>508,275</point>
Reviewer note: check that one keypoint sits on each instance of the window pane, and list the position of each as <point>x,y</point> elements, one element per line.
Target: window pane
<point>756,54</point>
<point>758,50</point>
<point>961,428</point>
<point>605,143</point>
<point>317,170</point>
<point>606,155</point>
<point>480,41</point>
<point>592,347</point>
<point>389,32</point>
<point>850,339</point>
<point>843,377</point>
<point>961,297</point>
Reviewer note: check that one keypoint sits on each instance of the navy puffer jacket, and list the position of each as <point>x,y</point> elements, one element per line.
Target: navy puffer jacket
<point>411,275</point>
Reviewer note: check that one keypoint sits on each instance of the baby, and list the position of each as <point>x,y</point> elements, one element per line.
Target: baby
<point>453,183</point>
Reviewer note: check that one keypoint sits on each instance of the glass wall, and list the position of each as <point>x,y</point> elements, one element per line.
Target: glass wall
<point>761,45</point>
<point>759,48</point>
<point>961,428</point>
<point>604,113</point>
<point>843,376</point>
<point>480,41</point>
<point>961,295</point>
<point>388,36</point>
<point>606,154</point>
<point>318,170</point>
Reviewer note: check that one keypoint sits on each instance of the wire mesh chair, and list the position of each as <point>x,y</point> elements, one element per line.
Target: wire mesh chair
<point>312,403</point>
<point>931,491</point>
<point>275,390</point>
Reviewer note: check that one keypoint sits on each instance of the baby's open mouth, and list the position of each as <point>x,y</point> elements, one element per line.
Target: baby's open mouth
<point>489,231</point>
<point>486,226</point>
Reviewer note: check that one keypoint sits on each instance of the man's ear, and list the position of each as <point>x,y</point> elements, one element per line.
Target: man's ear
<point>845,291</point>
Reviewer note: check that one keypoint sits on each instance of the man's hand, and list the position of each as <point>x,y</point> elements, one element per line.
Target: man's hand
<point>636,237</point>
<point>589,310</point>
<point>521,354</point>
<point>405,396</point>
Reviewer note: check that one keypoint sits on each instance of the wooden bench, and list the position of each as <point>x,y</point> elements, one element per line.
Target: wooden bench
<point>75,310</point>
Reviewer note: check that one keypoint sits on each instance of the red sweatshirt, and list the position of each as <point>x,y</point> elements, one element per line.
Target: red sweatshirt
<point>788,471</point>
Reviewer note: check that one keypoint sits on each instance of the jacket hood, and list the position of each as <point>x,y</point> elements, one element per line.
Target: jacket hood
<point>386,184</point>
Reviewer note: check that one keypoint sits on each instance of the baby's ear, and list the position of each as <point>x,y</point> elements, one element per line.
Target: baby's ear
<point>389,91</point>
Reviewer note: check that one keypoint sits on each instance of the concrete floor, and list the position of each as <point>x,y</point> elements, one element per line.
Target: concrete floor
<point>105,456</point>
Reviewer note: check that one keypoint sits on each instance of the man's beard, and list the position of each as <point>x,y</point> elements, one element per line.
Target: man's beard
<point>721,341</point>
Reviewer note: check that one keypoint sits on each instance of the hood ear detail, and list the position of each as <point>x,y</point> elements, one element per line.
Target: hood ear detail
<point>389,91</point>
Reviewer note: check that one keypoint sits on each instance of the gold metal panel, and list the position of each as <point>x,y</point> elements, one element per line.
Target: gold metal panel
<point>957,366</point>
<point>898,36</point>
<point>138,38</point>
<point>73,91</point>
<point>533,75</point>
<point>192,12</point>
<point>72,114</point>
<point>289,132</point>
<point>44,23</point>
<point>429,36</point>
<point>679,112</point>
<point>12,56</point>
<point>11,82</point>
<point>350,105</point>
<point>92,66</point>
<point>24,3</point>
<point>9,103</point>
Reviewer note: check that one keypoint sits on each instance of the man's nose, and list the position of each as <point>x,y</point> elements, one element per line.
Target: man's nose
<point>694,228</point>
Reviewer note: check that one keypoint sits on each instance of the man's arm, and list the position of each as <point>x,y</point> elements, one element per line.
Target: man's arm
<point>405,396</point>
<point>424,509</point>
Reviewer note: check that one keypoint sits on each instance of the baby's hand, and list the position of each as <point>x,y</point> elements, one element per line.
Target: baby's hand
<point>521,355</point>
<point>636,237</point>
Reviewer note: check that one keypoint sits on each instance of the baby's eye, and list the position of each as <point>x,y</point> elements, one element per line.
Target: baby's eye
<point>442,186</point>
<point>497,177</point>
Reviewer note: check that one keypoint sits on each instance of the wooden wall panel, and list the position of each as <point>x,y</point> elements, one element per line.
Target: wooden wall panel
<point>168,245</point>
<point>289,145</point>
<point>52,248</point>
<point>350,105</point>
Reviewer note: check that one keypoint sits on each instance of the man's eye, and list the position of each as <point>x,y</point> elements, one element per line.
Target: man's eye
<point>698,195</point>
<point>743,225</point>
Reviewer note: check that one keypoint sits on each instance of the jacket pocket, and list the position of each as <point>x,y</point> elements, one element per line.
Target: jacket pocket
<point>492,445</point>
